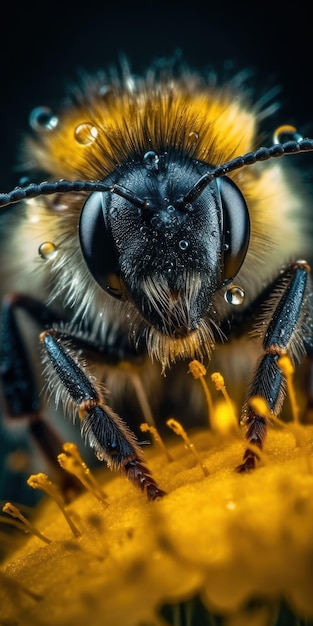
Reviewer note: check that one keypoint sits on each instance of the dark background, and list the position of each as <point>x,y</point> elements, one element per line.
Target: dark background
<point>42,48</point>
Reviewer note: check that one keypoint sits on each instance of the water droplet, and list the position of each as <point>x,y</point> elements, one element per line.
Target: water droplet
<point>43,119</point>
<point>170,208</point>
<point>194,136</point>
<point>104,91</point>
<point>85,133</point>
<point>286,133</point>
<point>130,84</point>
<point>183,244</point>
<point>226,247</point>
<point>48,250</point>
<point>151,160</point>
<point>156,221</point>
<point>24,181</point>
<point>169,266</point>
<point>234,295</point>
<point>145,232</point>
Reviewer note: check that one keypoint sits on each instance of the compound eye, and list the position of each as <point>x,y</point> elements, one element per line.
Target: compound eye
<point>236,227</point>
<point>98,247</point>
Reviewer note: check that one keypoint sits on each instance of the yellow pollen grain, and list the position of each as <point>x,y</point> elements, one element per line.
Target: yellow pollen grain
<point>197,369</point>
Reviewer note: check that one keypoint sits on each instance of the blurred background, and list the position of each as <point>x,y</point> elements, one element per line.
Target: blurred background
<point>42,49</point>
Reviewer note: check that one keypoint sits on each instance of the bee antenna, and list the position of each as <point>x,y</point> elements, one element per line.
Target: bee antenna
<point>262,154</point>
<point>34,190</point>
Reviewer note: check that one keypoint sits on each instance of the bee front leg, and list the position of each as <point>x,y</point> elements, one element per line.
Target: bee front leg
<point>111,439</point>
<point>284,334</point>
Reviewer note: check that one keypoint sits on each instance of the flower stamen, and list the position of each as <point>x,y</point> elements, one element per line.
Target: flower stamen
<point>179,430</point>
<point>25,524</point>
<point>72,462</point>
<point>41,481</point>
<point>157,437</point>
<point>225,420</point>
<point>286,366</point>
<point>198,371</point>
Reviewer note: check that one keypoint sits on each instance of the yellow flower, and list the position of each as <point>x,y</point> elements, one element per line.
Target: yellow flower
<point>226,537</point>
<point>220,546</point>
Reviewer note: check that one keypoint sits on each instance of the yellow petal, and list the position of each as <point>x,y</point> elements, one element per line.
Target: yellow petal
<point>227,537</point>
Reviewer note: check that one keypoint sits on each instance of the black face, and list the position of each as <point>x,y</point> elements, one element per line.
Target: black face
<point>167,256</point>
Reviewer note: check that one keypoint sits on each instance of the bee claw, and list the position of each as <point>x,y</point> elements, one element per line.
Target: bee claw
<point>248,465</point>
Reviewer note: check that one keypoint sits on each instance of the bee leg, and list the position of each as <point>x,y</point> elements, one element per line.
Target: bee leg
<point>20,393</point>
<point>111,439</point>
<point>282,336</point>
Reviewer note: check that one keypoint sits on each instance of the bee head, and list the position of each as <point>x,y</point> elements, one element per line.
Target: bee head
<point>160,244</point>
<point>165,233</point>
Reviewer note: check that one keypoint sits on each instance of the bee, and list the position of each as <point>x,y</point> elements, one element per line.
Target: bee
<point>162,234</point>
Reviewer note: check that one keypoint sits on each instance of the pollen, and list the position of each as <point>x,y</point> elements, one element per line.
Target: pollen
<point>197,369</point>
<point>226,538</point>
